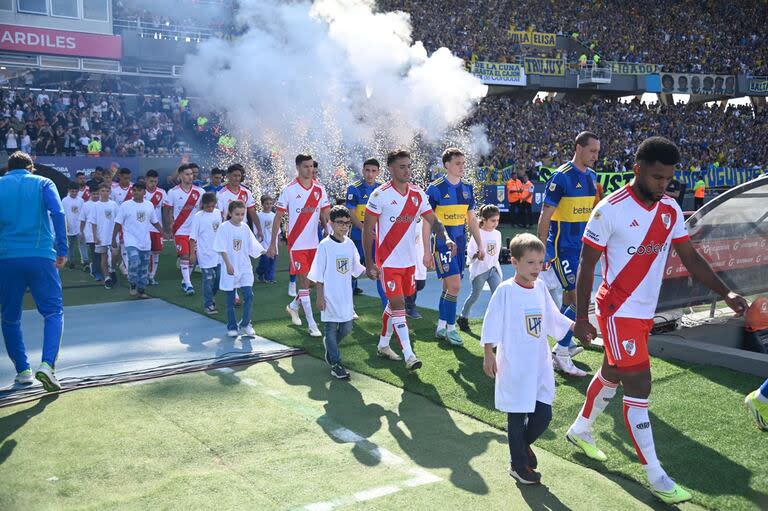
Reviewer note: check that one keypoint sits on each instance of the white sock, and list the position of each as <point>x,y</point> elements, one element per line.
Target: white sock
<point>639,426</point>
<point>599,394</point>
<point>294,305</point>
<point>452,328</point>
<point>761,397</point>
<point>401,331</point>
<point>386,327</point>
<point>441,324</point>
<point>185,272</point>
<point>154,261</point>
<point>306,304</point>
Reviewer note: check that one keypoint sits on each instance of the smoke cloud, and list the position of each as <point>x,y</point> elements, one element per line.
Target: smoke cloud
<point>336,79</point>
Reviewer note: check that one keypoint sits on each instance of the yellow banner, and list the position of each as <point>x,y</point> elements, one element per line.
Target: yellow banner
<point>540,66</point>
<point>533,38</point>
<point>630,68</point>
<point>760,86</point>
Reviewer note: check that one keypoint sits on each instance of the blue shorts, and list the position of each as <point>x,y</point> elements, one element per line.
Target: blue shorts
<point>566,264</point>
<point>446,264</point>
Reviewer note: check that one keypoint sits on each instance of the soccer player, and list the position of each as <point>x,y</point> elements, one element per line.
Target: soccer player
<point>568,200</point>
<point>179,208</point>
<point>233,191</point>
<point>305,202</point>
<point>633,230</point>
<point>157,197</point>
<point>390,218</point>
<point>757,403</point>
<point>454,204</point>
<point>217,181</point>
<point>82,187</point>
<point>357,198</point>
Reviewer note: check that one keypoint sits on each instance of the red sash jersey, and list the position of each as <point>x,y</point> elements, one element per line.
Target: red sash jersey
<point>303,206</point>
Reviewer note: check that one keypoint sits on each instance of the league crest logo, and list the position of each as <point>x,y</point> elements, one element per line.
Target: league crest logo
<point>500,194</point>
<point>391,285</point>
<point>215,226</point>
<point>108,215</point>
<point>141,216</point>
<point>666,219</point>
<point>350,197</point>
<point>552,187</point>
<point>342,265</point>
<point>75,209</point>
<point>237,245</point>
<point>533,324</point>
<point>629,346</point>
<point>491,248</point>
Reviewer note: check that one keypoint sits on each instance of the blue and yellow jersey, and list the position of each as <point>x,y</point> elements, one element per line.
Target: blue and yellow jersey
<point>357,198</point>
<point>572,193</point>
<point>450,203</point>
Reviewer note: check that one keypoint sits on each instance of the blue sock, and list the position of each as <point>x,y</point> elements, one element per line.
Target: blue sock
<point>450,309</point>
<point>441,308</point>
<point>293,278</point>
<point>570,312</point>
<point>764,389</point>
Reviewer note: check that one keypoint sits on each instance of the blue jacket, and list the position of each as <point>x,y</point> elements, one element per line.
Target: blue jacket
<point>25,229</point>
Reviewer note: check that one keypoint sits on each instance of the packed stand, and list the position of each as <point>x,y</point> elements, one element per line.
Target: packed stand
<point>72,123</point>
<point>530,134</point>
<point>682,36</point>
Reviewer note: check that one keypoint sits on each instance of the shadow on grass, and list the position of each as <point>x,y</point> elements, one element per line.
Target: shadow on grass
<point>11,423</point>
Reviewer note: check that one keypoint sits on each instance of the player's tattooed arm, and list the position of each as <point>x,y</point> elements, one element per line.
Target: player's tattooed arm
<point>369,234</point>
<point>583,330</point>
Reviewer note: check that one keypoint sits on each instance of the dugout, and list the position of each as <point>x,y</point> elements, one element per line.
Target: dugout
<point>731,232</point>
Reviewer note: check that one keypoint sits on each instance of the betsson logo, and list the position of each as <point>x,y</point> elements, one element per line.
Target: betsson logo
<point>649,249</point>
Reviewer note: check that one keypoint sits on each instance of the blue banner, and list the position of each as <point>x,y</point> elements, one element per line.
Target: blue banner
<point>71,165</point>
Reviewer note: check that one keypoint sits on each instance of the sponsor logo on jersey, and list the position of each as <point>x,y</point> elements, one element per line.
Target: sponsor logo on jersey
<point>582,211</point>
<point>634,223</point>
<point>644,425</point>
<point>533,324</point>
<point>237,244</point>
<point>629,346</point>
<point>394,203</point>
<point>651,248</point>
<point>591,235</point>
<point>342,265</point>
<point>305,210</point>
<point>401,219</point>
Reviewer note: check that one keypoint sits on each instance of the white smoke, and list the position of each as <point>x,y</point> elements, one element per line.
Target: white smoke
<point>336,79</point>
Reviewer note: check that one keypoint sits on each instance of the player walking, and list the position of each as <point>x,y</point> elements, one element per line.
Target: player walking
<point>306,204</point>
<point>568,200</point>
<point>390,219</point>
<point>454,204</point>
<point>179,208</point>
<point>632,230</point>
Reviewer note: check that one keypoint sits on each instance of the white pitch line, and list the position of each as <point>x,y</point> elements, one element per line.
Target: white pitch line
<point>419,476</point>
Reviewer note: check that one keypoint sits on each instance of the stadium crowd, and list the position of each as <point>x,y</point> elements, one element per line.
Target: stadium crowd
<point>531,134</point>
<point>190,18</point>
<point>682,36</point>
<point>62,123</point>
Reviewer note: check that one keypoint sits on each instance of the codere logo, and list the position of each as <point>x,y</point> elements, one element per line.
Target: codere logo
<point>649,249</point>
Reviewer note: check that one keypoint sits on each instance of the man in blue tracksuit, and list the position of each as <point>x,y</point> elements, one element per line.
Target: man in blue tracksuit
<point>29,258</point>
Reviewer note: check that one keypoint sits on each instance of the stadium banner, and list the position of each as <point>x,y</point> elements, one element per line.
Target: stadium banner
<point>758,86</point>
<point>71,165</point>
<point>630,68</point>
<point>532,38</point>
<point>691,83</point>
<point>499,73</point>
<point>60,42</point>
<point>714,177</point>
<point>722,255</point>
<point>542,66</point>
<point>496,194</point>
